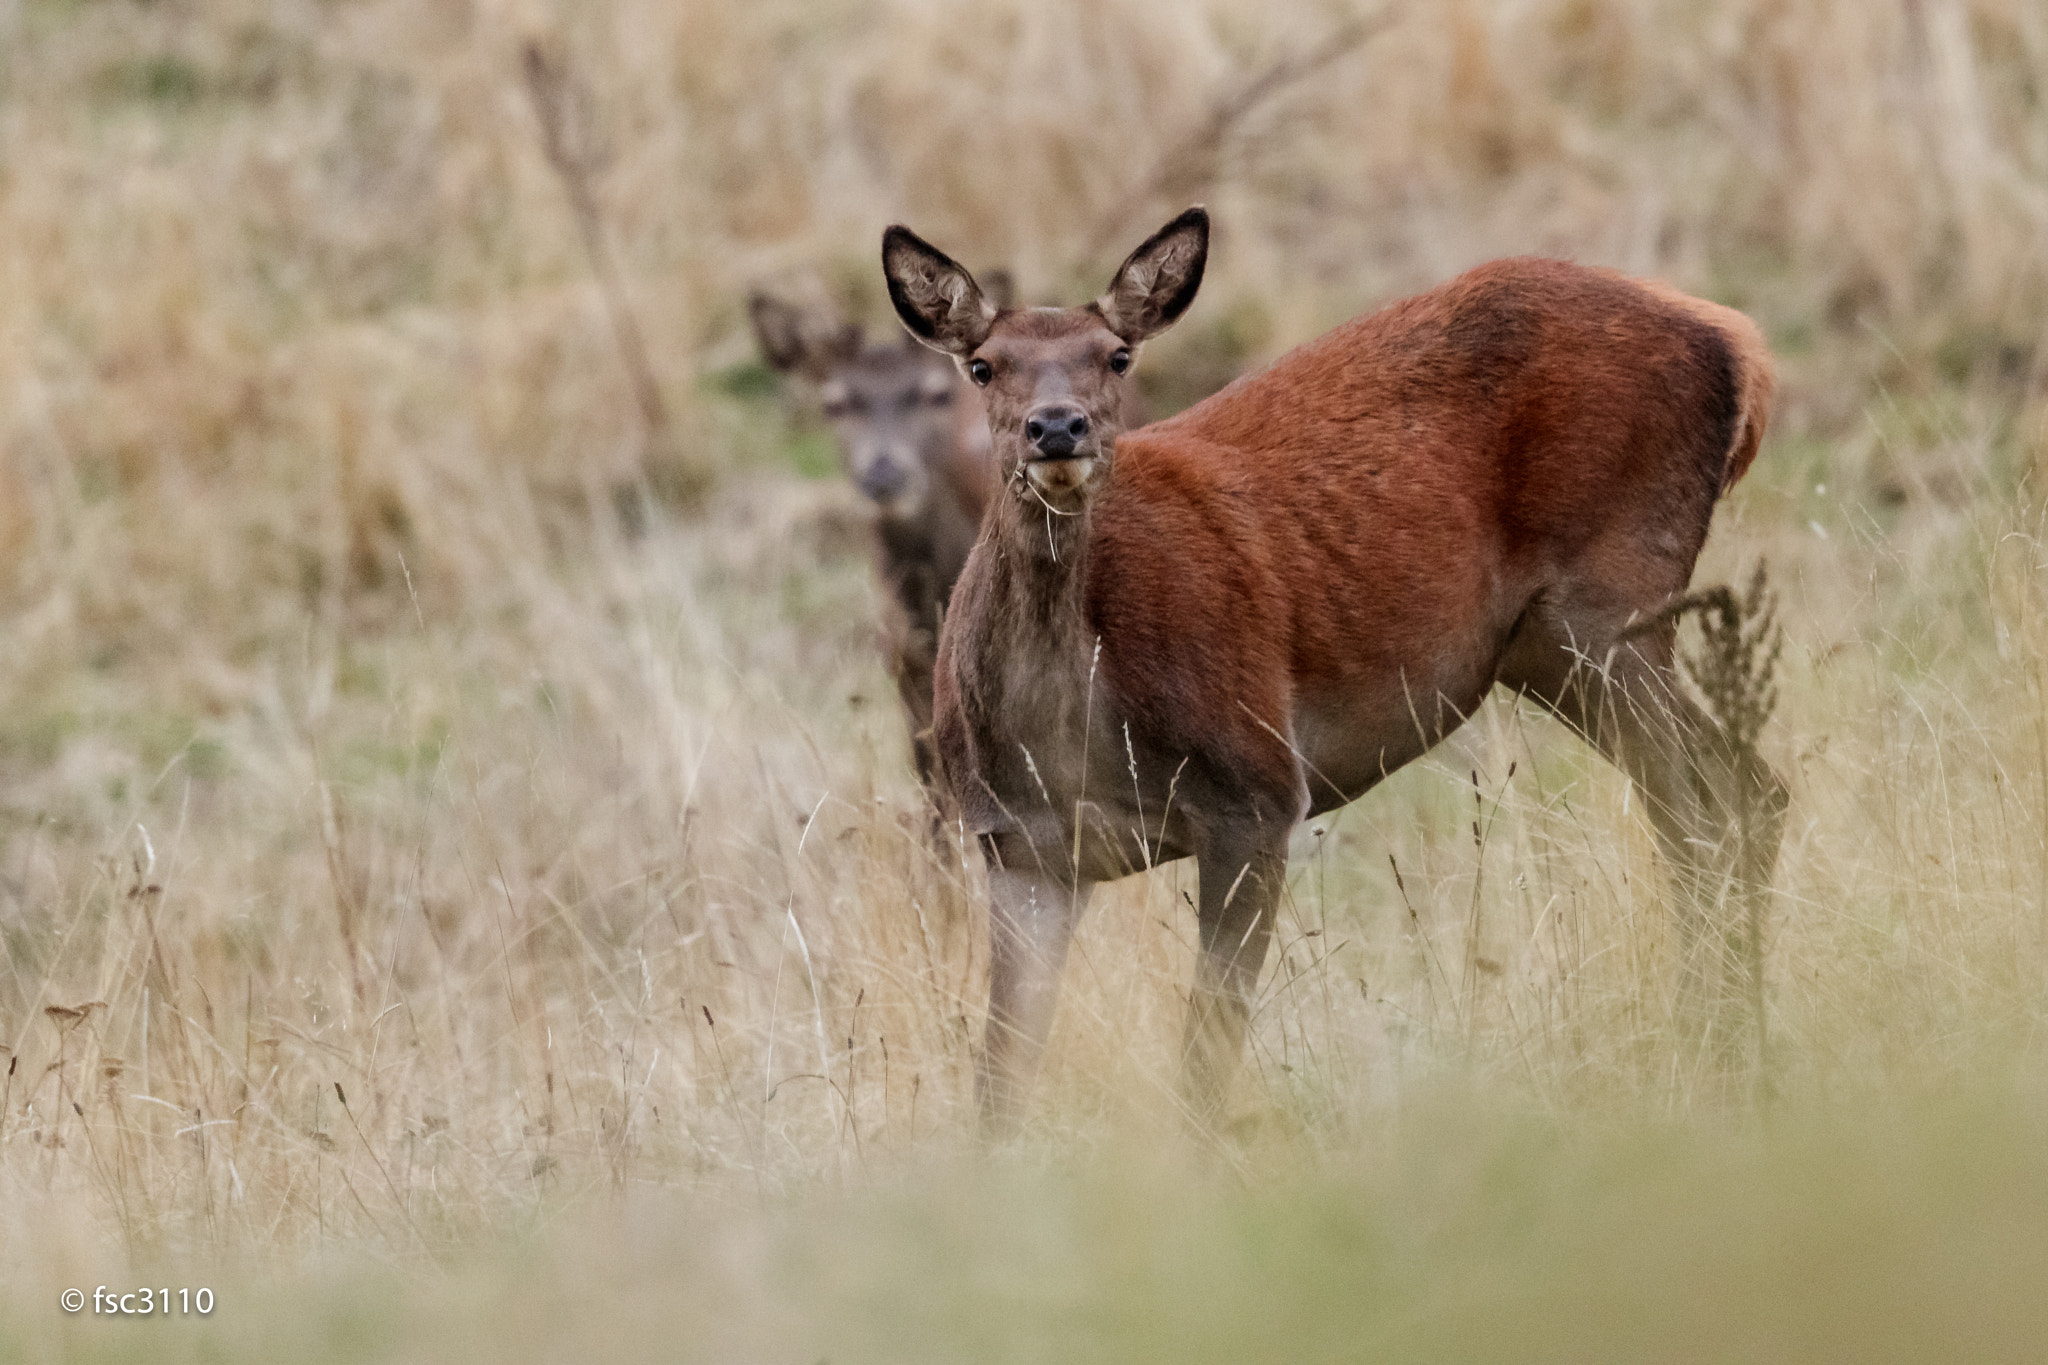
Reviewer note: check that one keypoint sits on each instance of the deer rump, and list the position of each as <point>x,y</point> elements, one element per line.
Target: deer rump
<point>1305,581</point>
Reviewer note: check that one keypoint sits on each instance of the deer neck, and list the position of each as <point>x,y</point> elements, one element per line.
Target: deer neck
<point>1043,557</point>
<point>1028,656</point>
<point>906,542</point>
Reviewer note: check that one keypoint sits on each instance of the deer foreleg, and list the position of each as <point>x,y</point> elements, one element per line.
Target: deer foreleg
<point>1240,889</point>
<point>1031,922</point>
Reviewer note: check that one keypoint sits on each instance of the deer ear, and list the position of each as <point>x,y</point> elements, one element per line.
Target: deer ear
<point>999,287</point>
<point>778,331</point>
<point>1155,285</point>
<point>934,295</point>
<point>807,342</point>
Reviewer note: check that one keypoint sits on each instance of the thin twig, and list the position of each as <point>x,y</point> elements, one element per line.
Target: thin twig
<point>1190,166</point>
<point>376,1161</point>
<point>561,104</point>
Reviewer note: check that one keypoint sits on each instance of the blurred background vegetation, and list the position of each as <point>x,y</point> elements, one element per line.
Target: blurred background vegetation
<point>351,736</point>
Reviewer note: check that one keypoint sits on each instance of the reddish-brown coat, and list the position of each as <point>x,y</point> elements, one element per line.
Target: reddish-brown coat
<point>1361,526</point>
<point>1183,639</point>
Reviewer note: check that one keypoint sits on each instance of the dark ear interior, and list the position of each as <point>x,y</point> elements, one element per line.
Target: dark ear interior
<point>934,295</point>
<point>1157,282</point>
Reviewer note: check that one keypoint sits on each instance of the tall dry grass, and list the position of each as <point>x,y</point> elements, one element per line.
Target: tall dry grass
<point>394,850</point>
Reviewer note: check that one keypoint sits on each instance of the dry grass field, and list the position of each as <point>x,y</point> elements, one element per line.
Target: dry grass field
<point>450,909</point>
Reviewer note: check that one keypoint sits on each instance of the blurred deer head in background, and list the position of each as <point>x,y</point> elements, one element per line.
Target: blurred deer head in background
<point>913,437</point>
<point>900,414</point>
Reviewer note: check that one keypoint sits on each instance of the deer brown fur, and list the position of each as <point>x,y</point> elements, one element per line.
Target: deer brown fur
<point>1184,639</point>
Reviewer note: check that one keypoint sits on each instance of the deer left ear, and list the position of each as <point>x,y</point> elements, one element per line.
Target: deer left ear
<point>934,295</point>
<point>1155,285</point>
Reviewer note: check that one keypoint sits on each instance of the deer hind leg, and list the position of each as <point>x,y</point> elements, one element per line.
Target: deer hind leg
<point>1637,716</point>
<point>1031,922</point>
<point>1241,881</point>
<point>1717,814</point>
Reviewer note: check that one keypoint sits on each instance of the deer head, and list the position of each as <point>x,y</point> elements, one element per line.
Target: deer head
<point>890,406</point>
<point>1054,380</point>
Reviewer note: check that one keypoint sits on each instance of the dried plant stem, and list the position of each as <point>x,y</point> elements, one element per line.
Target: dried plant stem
<point>560,104</point>
<point>1187,169</point>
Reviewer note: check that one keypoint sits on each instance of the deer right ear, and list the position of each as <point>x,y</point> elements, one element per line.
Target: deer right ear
<point>1157,282</point>
<point>794,341</point>
<point>779,331</point>
<point>934,295</point>
<point>999,287</point>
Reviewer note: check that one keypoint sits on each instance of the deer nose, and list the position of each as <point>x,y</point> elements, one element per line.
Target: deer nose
<point>1056,431</point>
<point>884,479</point>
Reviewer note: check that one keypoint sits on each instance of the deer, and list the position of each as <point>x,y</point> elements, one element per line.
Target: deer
<point>911,435</point>
<point>1182,640</point>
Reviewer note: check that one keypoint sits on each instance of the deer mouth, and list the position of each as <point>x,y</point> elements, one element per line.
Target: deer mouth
<point>906,506</point>
<point>1060,473</point>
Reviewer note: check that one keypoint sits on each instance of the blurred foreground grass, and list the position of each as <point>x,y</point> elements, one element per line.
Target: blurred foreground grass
<point>1467,1231</point>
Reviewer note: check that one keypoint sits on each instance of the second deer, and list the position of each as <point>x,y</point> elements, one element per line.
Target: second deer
<point>1182,640</point>
<point>912,436</point>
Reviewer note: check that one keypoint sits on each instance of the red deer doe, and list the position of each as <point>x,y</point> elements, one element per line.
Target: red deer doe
<point>1183,640</point>
<point>912,436</point>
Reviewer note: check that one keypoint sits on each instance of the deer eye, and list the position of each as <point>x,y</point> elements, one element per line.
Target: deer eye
<point>980,371</point>
<point>1119,360</point>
